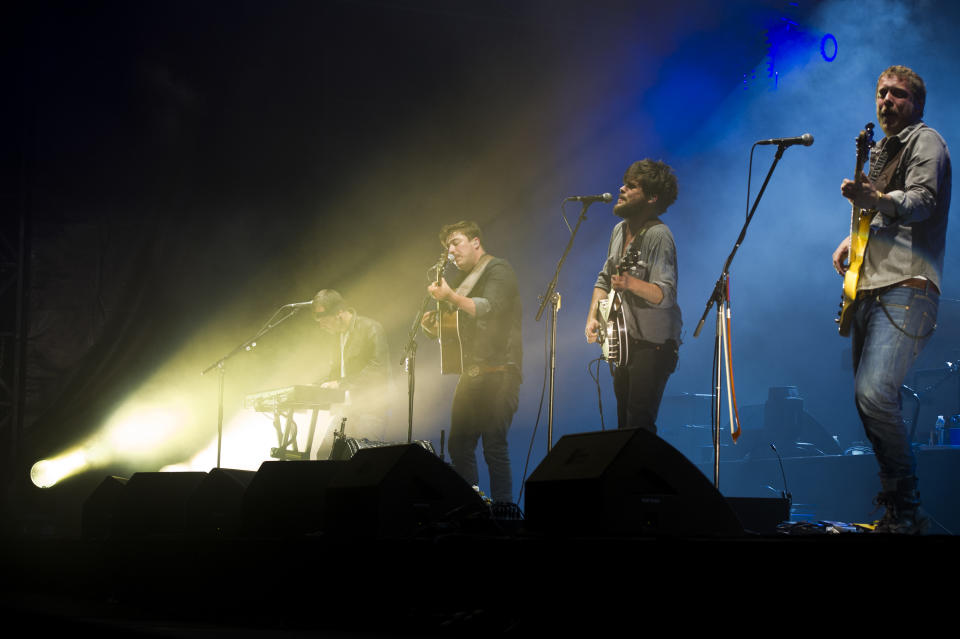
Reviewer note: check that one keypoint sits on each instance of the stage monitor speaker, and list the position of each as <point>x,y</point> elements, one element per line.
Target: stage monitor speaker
<point>214,509</point>
<point>624,482</point>
<point>398,491</point>
<point>100,508</point>
<point>345,448</point>
<point>288,498</point>
<point>153,504</point>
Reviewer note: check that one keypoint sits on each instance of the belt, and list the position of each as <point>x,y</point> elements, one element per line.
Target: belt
<point>475,371</point>
<point>641,343</point>
<point>920,283</point>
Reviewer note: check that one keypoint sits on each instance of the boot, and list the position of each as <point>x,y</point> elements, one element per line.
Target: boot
<point>901,499</point>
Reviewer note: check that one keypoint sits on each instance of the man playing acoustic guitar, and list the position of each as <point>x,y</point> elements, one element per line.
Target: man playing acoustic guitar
<point>648,292</point>
<point>906,198</point>
<point>486,301</point>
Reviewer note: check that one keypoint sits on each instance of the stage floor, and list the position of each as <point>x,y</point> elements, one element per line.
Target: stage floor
<point>455,583</point>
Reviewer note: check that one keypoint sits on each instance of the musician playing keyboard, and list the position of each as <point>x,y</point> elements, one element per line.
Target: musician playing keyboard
<point>358,363</point>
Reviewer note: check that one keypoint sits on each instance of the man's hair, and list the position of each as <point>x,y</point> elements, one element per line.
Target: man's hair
<point>329,301</point>
<point>467,227</point>
<point>917,88</point>
<point>656,178</point>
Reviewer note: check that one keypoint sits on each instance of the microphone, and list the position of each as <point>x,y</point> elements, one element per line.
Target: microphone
<point>786,491</point>
<point>806,140</point>
<point>444,262</point>
<point>299,304</point>
<point>589,199</point>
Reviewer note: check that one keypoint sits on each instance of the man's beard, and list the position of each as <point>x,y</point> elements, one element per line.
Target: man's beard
<point>624,210</point>
<point>884,117</point>
<point>631,211</point>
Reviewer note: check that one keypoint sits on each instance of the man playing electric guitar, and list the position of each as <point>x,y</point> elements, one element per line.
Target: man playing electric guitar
<point>898,290</point>
<point>648,291</point>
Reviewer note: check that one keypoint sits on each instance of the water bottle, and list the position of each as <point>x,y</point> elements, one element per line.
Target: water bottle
<point>953,430</point>
<point>938,429</point>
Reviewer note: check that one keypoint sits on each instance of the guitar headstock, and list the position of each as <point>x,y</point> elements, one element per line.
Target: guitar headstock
<point>864,144</point>
<point>441,265</point>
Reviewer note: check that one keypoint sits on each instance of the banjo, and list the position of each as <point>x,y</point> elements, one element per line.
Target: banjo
<point>614,344</point>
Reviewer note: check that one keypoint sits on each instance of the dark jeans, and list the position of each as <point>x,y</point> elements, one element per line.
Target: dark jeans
<point>639,385</point>
<point>483,407</point>
<point>889,331</point>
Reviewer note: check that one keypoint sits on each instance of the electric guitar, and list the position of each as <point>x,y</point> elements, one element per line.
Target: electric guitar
<point>448,331</point>
<point>859,234</point>
<point>614,342</point>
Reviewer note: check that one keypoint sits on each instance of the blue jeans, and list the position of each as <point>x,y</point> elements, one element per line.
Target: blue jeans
<point>889,330</point>
<point>483,407</point>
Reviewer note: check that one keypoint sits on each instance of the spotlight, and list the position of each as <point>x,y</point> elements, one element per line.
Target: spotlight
<point>47,472</point>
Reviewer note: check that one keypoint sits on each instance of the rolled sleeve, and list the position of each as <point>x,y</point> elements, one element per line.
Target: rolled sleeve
<point>482,305</point>
<point>663,266</point>
<point>499,291</point>
<point>924,177</point>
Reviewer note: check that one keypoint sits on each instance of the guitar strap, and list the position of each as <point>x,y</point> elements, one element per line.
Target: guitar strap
<point>471,280</point>
<point>635,244</point>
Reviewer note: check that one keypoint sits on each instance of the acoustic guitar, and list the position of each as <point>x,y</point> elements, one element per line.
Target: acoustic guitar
<point>448,331</point>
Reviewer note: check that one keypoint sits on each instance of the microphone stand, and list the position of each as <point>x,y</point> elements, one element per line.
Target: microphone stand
<point>550,296</point>
<point>718,296</point>
<point>248,345</point>
<point>409,363</point>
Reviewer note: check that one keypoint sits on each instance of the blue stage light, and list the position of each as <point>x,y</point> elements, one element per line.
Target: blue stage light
<point>825,45</point>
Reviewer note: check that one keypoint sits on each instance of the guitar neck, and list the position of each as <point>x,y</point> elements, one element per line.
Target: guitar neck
<point>856,210</point>
<point>864,143</point>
